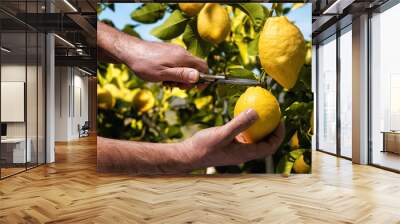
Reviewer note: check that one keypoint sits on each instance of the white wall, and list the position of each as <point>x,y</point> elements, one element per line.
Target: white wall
<point>33,127</point>
<point>12,73</point>
<point>61,103</point>
<point>71,94</point>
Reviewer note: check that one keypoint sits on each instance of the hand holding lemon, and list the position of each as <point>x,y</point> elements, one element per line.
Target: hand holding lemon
<point>267,108</point>
<point>217,146</point>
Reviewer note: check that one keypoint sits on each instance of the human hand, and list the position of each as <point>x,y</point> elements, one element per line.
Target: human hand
<point>209,147</point>
<point>153,61</point>
<point>217,146</point>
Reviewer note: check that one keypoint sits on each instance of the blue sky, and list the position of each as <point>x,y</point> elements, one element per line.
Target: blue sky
<point>121,16</point>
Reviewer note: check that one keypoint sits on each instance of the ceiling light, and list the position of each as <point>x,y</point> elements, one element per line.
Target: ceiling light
<point>70,5</point>
<point>84,71</point>
<point>5,50</point>
<point>65,41</point>
<point>337,7</point>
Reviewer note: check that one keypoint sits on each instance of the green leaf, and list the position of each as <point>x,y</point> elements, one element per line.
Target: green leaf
<point>108,22</point>
<point>281,167</point>
<point>286,163</point>
<point>255,11</point>
<point>299,109</point>
<point>286,10</point>
<point>295,154</point>
<point>172,27</point>
<point>195,45</point>
<point>238,71</point>
<point>305,76</point>
<point>130,29</point>
<point>297,5</point>
<point>253,46</point>
<point>267,12</point>
<point>278,8</point>
<point>173,131</point>
<point>219,120</point>
<point>149,13</point>
<point>111,6</point>
<point>230,91</point>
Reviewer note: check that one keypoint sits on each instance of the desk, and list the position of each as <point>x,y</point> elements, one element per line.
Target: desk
<point>391,141</point>
<point>15,148</point>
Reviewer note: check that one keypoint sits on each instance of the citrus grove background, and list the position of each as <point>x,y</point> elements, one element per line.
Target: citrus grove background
<point>129,108</point>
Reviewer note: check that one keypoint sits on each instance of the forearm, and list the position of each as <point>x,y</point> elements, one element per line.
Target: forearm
<point>103,56</point>
<point>140,157</point>
<point>112,45</point>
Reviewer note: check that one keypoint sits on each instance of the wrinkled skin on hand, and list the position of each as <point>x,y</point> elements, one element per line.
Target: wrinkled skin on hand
<point>217,146</point>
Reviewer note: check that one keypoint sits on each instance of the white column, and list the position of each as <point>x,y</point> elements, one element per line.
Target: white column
<point>50,94</point>
<point>360,90</point>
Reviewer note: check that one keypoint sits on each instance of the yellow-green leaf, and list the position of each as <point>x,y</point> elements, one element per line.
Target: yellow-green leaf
<point>172,27</point>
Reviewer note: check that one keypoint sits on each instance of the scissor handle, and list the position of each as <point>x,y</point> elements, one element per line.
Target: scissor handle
<point>211,77</point>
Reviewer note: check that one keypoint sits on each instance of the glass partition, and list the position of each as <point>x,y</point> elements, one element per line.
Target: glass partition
<point>385,89</point>
<point>22,77</point>
<point>14,143</point>
<point>326,95</point>
<point>346,92</point>
<point>32,98</point>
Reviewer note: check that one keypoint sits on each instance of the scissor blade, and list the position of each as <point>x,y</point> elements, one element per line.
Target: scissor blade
<point>211,77</point>
<point>246,82</point>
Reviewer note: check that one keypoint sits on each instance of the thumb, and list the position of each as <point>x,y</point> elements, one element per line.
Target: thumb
<point>239,123</point>
<point>180,74</point>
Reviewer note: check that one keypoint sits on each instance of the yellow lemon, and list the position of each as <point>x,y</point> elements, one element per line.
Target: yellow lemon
<point>294,141</point>
<point>267,108</point>
<point>114,90</point>
<point>282,50</point>
<point>191,9</point>
<point>105,100</point>
<point>143,100</point>
<point>126,95</point>
<point>213,23</point>
<point>202,102</point>
<point>308,54</point>
<point>300,166</point>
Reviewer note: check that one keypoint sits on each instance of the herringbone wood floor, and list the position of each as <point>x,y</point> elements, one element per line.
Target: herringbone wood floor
<point>70,191</point>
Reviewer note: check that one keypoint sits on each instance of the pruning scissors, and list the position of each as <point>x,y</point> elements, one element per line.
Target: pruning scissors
<point>222,79</point>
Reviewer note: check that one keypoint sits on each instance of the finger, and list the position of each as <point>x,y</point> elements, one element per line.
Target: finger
<point>238,124</point>
<point>180,74</point>
<point>274,140</point>
<point>197,63</point>
<point>242,153</point>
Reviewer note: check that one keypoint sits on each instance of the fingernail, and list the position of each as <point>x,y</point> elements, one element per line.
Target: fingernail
<point>252,114</point>
<point>193,76</point>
